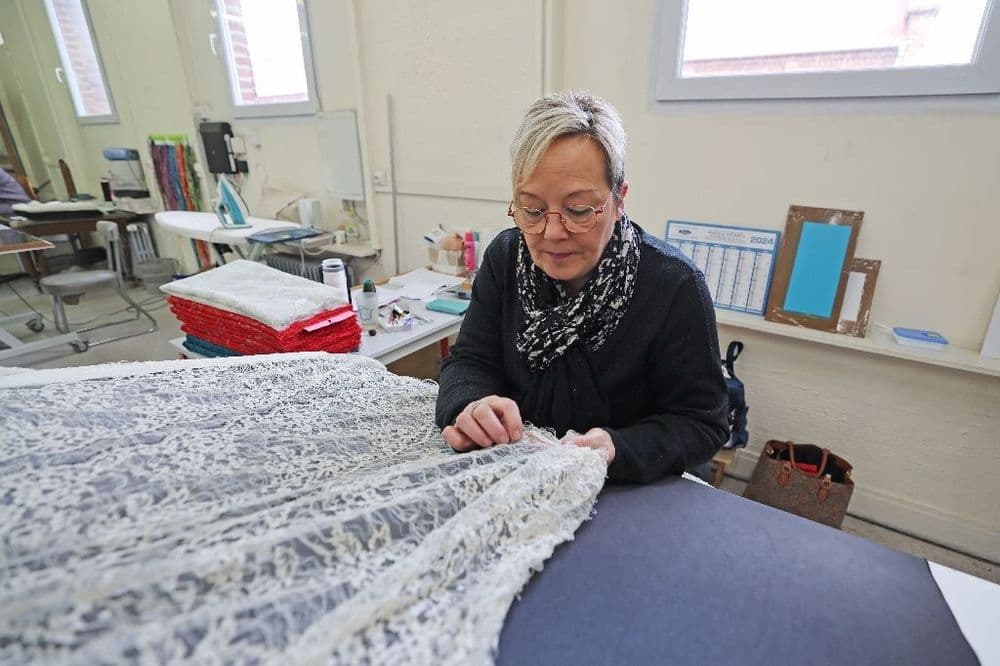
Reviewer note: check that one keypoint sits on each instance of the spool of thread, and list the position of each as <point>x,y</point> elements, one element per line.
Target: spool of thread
<point>368,307</point>
<point>335,275</point>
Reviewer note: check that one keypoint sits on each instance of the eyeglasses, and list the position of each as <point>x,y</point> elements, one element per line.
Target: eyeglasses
<point>576,219</point>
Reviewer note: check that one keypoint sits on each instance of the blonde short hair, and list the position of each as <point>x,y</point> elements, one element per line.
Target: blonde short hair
<point>573,113</point>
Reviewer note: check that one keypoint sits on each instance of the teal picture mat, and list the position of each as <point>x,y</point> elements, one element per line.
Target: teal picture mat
<point>812,288</point>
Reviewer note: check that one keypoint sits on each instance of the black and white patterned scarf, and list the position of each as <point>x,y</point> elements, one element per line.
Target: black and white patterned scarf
<point>590,316</point>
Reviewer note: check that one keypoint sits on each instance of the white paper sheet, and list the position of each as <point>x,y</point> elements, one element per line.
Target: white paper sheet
<point>975,603</point>
<point>420,284</point>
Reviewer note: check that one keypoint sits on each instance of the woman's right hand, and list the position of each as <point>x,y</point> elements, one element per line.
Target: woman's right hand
<point>485,422</point>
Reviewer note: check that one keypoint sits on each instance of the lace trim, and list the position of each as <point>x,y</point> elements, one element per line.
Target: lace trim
<point>291,508</point>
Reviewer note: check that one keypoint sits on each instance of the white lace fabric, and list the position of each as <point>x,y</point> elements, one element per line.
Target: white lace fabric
<point>300,508</point>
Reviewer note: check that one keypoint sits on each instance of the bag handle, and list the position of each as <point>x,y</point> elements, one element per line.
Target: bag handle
<point>732,353</point>
<point>822,463</point>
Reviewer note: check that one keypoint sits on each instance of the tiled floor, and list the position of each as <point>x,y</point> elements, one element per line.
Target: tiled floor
<point>102,303</point>
<point>155,346</point>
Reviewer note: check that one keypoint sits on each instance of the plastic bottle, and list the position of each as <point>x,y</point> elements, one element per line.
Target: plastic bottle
<point>368,307</point>
<point>335,275</point>
<point>470,252</point>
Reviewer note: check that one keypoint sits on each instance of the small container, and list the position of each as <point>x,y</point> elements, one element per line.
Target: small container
<point>470,252</point>
<point>368,307</point>
<point>340,237</point>
<point>335,275</point>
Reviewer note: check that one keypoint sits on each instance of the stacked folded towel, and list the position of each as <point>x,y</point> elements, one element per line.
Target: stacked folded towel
<point>248,308</point>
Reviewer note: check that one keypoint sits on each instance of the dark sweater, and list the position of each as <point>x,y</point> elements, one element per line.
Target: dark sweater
<point>656,385</point>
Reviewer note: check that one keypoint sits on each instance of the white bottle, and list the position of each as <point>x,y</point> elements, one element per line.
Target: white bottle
<point>368,307</point>
<point>335,275</point>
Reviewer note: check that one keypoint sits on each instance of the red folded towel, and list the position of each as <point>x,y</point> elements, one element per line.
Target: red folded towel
<point>249,336</point>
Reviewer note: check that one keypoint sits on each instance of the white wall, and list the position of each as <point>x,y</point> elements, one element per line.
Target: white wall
<point>284,152</point>
<point>164,77</point>
<point>37,106</point>
<point>40,114</point>
<point>924,440</point>
<point>460,75</point>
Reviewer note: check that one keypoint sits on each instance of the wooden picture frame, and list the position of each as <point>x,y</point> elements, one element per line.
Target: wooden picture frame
<point>856,308</point>
<point>813,266</point>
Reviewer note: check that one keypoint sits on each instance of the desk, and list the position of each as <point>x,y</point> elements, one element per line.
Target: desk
<point>76,224</point>
<point>388,347</point>
<point>639,584</point>
<point>118,551</point>
<point>15,241</point>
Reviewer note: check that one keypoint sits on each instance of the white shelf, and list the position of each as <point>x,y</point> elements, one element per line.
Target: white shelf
<point>343,249</point>
<point>877,342</point>
<point>351,250</point>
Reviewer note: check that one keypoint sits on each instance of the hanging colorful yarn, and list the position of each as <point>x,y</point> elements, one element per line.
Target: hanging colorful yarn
<point>174,166</point>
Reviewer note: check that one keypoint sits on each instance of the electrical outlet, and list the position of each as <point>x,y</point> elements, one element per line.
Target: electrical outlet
<point>380,178</point>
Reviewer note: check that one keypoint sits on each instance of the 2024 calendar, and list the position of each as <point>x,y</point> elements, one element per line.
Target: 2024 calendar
<point>737,261</point>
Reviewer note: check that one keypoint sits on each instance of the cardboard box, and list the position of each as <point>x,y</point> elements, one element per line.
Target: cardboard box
<point>451,262</point>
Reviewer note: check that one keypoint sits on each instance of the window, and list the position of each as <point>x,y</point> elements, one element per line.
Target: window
<point>760,49</point>
<point>81,69</point>
<point>267,56</point>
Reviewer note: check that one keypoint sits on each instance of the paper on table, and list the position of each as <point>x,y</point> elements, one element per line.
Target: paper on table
<point>420,284</point>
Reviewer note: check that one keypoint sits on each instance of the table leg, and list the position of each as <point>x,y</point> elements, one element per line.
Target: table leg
<point>26,260</point>
<point>718,471</point>
<point>126,249</point>
<point>41,265</point>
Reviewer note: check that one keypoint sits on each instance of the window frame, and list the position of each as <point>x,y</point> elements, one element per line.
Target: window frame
<point>68,73</point>
<point>271,110</point>
<point>982,77</point>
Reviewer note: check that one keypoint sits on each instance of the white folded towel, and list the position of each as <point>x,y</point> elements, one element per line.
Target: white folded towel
<point>254,290</point>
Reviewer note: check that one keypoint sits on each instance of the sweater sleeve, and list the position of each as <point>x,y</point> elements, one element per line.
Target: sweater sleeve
<point>690,422</point>
<point>474,367</point>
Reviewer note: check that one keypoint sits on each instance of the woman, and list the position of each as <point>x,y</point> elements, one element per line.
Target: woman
<point>580,321</point>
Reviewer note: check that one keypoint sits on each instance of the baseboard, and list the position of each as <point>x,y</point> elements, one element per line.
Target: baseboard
<point>905,516</point>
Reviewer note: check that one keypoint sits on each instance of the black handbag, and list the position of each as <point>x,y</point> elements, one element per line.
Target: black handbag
<point>738,433</point>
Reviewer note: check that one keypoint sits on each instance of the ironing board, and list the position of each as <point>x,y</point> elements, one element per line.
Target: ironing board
<point>206,227</point>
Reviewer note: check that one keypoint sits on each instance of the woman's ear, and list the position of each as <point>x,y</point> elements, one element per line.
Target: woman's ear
<point>620,204</point>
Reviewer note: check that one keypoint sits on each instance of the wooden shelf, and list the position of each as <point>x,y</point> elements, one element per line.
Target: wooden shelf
<point>878,342</point>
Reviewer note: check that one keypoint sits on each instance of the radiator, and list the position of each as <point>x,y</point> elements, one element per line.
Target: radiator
<point>310,268</point>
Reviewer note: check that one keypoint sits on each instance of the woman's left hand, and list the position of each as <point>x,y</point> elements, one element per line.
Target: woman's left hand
<point>595,438</point>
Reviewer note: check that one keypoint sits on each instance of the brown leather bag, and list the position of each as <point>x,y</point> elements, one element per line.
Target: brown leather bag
<point>803,479</point>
